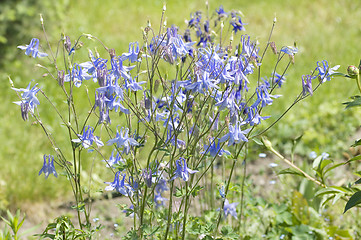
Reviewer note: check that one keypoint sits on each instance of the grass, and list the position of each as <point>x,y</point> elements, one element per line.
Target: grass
<point>322,30</point>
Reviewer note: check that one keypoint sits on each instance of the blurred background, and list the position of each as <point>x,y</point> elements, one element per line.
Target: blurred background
<point>323,29</point>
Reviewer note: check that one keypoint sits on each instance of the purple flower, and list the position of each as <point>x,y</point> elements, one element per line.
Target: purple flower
<point>214,148</point>
<point>159,200</point>
<point>48,167</point>
<point>324,72</point>
<point>182,170</point>
<point>33,49</point>
<point>278,78</point>
<point>289,50</point>
<point>253,116</point>
<point>235,135</point>
<point>147,175</point>
<point>133,53</point>
<point>87,138</point>
<point>119,185</point>
<point>124,140</point>
<point>133,85</point>
<point>307,85</point>
<point>77,76</point>
<point>114,160</point>
<point>230,208</point>
<point>28,100</point>
<point>221,13</point>
<point>237,24</point>
<point>203,83</point>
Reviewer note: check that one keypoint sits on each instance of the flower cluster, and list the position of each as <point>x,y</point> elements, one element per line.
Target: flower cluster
<point>206,110</point>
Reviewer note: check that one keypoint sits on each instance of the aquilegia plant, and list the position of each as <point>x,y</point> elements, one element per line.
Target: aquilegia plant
<point>163,118</point>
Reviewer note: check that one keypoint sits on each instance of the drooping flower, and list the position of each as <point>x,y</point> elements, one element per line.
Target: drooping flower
<point>87,138</point>
<point>235,135</point>
<point>159,200</point>
<point>77,76</point>
<point>123,140</point>
<point>289,50</point>
<point>48,166</point>
<point>132,54</point>
<point>182,170</point>
<point>278,78</point>
<point>230,208</point>
<point>214,148</point>
<point>237,24</point>
<point>324,71</point>
<point>114,159</point>
<point>32,49</point>
<point>119,185</point>
<point>28,99</point>
<point>307,85</point>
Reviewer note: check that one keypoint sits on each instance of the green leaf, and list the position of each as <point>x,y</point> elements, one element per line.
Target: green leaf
<point>290,171</point>
<point>357,143</point>
<point>196,190</point>
<point>356,101</point>
<point>354,159</point>
<point>353,201</point>
<point>256,140</point>
<point>358,181</point>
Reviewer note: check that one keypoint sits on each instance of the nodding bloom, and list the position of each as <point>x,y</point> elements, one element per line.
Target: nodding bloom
<point>235,135</point>
<point>77,76</point>
<point>120,185</point>
<point>324,71</point>
<point>230,208</point>
<point>289,50</point>
<point>221,13</point>
<point>28,100</point>
<point>87,138</point>
<point>214,149</point>
<point>114,160</point>
<point>278,78</point>
<point>48,166</point>
<point>132,54</point>
<point>159,200</point>
<point>237,24</point>
<point>32,49</point>
<point>124,140</point>
<point>133,85</point>
<point>307,84</point>
<point>182,170</point>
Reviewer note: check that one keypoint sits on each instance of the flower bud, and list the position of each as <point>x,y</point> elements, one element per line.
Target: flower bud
<point>352,71</point>
<point>61,75</point>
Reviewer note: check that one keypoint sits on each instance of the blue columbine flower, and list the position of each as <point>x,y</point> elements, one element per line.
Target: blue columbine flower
<point>215,149</point>
<point>114,160</point>
<point>237,24</point>
<point>159,200</point>
<point>230,208</point>
<point>235,135</point>
<point>119,185</point>
<point>48,166</point>
<point>33,49</point>
<point>28,99</point>
<point>307,85</point>
<point>324,71</point>
<point>133,85</point>
<point>77,76</point>
<point>182,170</point>
<point>132,54</point>
<point>289,50</point>
<point>278,78</point>
<point>87,138</point>
<point>124,140</point>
